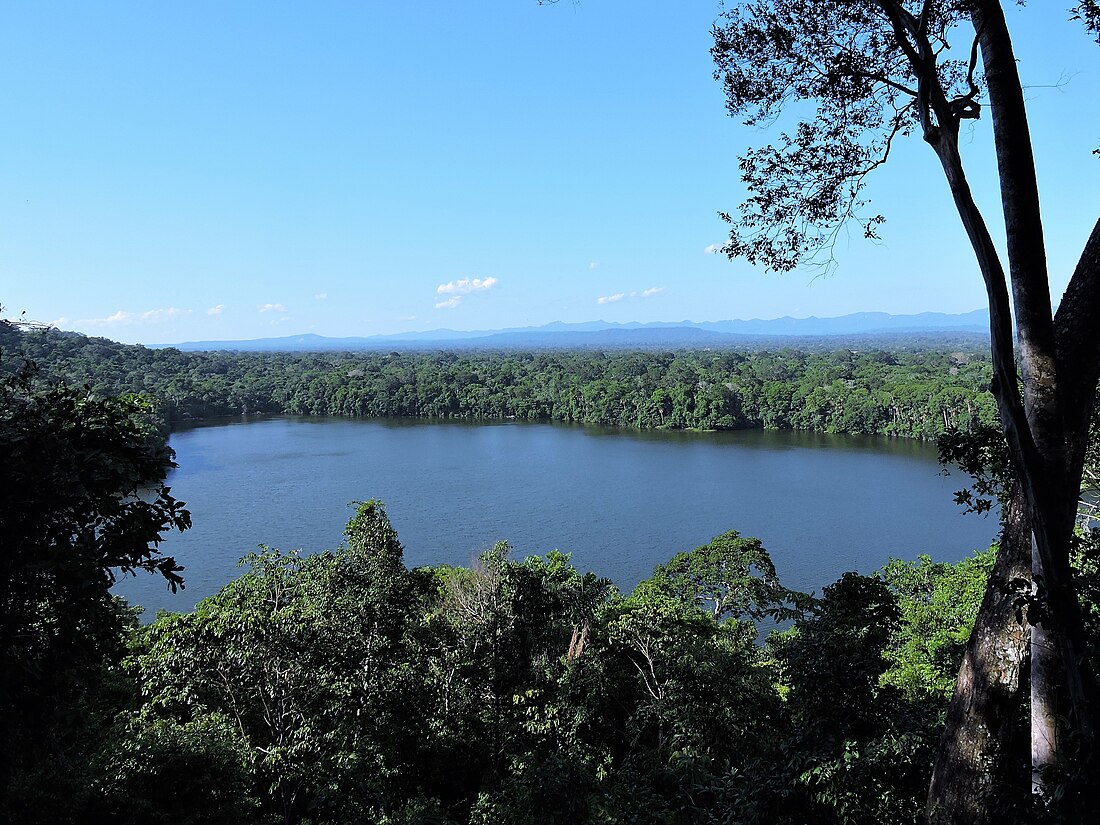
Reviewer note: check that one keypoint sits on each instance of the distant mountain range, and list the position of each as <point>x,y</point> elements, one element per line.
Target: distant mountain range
<point>634,334</point>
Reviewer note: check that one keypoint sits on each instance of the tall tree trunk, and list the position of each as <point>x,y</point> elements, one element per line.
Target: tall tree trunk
<point>1044,449</point>
<point>974,772</point>
<point>1045,436</point>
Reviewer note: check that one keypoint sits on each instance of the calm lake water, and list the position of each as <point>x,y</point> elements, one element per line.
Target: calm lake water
<point>620,502</point>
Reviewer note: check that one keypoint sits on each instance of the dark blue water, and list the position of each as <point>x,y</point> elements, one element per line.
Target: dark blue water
<point>620,502</point>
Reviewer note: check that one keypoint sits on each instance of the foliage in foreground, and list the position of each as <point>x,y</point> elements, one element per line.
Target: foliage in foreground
<point>343,687</point>
<point>81,500</point>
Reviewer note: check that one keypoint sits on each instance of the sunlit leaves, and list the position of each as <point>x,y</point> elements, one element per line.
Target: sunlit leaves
<point>730,576</point>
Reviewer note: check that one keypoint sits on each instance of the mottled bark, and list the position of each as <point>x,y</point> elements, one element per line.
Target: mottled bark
<point>972,774</point>
<point>1046,672</point>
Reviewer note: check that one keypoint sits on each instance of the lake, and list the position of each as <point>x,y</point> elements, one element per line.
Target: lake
<point>620,501</point>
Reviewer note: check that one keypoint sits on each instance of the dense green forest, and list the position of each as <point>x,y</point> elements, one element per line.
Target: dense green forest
<point>914,393</point>
<point>345,687</point>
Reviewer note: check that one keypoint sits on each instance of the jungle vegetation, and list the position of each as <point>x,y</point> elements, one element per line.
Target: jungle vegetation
<point>910,393</point>
<point>346,687</point>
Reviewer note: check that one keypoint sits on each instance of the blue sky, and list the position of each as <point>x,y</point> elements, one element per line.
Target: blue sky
<point>222,170</point>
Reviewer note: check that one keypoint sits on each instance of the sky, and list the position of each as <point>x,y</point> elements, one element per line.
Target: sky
<point>216,170</point>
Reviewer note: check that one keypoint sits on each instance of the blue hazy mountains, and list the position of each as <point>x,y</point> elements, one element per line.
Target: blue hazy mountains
<point>635,335</point>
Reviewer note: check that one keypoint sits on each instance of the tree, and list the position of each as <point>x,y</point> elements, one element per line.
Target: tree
<point>313,661</point>
<point>877,71</point>
<point>692,684</point>
<point>731,575</point>
<point>81,498</point>
<point>155,771</point>
<point>857,750</point>
<point>938,603</point>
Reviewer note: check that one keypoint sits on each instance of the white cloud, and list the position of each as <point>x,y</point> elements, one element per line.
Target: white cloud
<point>120,317</point>
<point>60,322</point>
<point>593,264</point>
<point>466,286</point>
<point>272,308</point>
<point>460,289</point>
<point>161,314</point>
<point>620,296</point>
<point>218,310</point>
<point>320,296</point>
<point>713,249</point>
<point>124,318</point>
